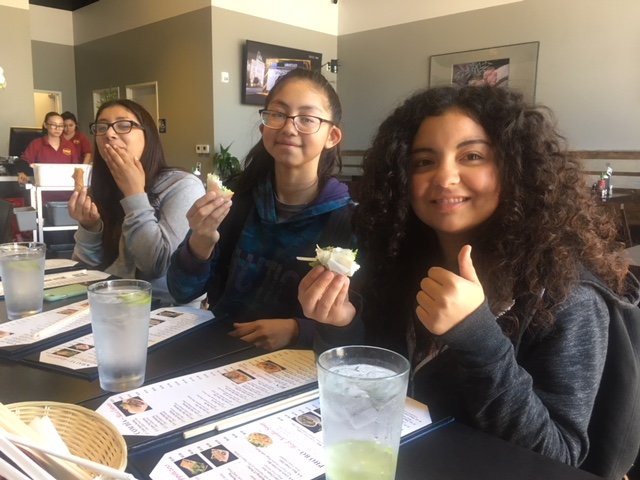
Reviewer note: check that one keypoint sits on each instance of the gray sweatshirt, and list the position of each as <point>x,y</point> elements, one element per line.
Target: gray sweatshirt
<point>149,235</point>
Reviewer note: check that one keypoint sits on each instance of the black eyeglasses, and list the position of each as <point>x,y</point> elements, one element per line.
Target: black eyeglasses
<point>121,126</point>
<point>303,123</point>
<point>55,125</point>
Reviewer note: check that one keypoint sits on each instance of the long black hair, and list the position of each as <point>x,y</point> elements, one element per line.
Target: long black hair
<point>104,190</point>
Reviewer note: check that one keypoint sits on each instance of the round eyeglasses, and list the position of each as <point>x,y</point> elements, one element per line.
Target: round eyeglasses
<point>306,124</point>
<point>121,126</point>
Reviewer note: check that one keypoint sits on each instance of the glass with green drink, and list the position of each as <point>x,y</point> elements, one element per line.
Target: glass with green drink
<point>362,397</point>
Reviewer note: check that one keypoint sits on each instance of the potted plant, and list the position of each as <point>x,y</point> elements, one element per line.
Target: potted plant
<point>225,164</point>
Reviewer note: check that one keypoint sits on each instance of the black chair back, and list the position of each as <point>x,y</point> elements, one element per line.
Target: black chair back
<point>6,215</point>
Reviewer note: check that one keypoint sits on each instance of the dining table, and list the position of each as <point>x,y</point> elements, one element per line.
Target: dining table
<point>453,451</point>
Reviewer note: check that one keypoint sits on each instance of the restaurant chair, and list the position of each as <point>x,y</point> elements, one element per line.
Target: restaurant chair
<point>614,428</point>
<point>6,217</point>
<point>617,211</point>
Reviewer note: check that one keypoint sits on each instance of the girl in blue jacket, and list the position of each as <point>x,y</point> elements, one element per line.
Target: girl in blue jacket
<point>242,252</point>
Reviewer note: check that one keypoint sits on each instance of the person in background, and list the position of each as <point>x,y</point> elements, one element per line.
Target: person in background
<point>243,253</point>
<point>487,264</point>
<point>134,214</point>
<point>50,148</point>
<point>75,136</point>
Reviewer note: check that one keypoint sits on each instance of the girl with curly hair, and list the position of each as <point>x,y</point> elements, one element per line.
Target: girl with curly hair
<point>487,263</point>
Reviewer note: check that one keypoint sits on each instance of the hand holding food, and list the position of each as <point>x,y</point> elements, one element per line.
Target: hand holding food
<point>204,217</point>
<point>82,209</point>
<point>336,259</point>
<point>78,179</point>
<point>214,184</point>
<point>324,297</point>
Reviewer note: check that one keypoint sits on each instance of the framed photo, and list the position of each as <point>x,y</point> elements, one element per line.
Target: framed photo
<point>509,66</point>
<point>265,63</point>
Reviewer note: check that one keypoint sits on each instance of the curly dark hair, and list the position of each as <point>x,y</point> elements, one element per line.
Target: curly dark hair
<point>259,163</point>
<point>104,190</point>
<point>545,229</point>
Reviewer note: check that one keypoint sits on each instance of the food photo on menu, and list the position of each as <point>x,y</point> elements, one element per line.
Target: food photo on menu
<point>270,366</point>
<point>73,350</point>
<point>83,347</point>
<point>310,420</point>
<point>193,466</point>
<point>219,455</point>
<point>132,406</point>
<point>238,376</point>
<point>66,352</point>
<point>260,440</point>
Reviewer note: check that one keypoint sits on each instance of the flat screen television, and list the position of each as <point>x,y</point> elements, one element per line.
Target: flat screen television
<point>265,63</point>
<point>20,137</point>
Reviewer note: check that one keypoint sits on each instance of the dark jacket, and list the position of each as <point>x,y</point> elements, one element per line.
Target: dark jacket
<point>614,430</point>
<point>570,392</point>
<point>254,273</point>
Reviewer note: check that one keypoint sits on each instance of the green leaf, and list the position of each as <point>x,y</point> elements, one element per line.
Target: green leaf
<point>225,164</point>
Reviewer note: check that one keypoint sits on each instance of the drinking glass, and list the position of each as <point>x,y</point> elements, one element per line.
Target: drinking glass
<point>362,398</point>
<point>22,271</point>
<point>120,314</point>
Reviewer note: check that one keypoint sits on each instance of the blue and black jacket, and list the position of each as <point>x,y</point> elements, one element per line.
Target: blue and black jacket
<point>253,272</point>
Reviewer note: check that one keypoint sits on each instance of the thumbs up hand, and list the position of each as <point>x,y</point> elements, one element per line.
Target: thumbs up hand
<point>445,299</point>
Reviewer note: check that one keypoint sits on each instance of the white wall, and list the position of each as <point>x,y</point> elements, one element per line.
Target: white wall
<point>105,17</point>
<point>24,4</point>
<point>360,15</point>
<point>588,68</point>
<point>315,15</point>
<point>16,100</point>
<point>51,25</point>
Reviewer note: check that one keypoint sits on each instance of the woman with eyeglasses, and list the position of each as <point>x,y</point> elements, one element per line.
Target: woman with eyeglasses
<point>50,148</point>
<point>242,253</point>
<point>133,215</point>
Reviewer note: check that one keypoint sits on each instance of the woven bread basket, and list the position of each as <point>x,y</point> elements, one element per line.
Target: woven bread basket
<point>86,433</point>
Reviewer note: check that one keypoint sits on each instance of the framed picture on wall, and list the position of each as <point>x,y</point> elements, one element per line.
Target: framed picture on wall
<point>510,66</point>
<point>265,63</point>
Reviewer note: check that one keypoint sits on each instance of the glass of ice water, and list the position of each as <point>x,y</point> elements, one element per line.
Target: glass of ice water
<point>362,398</point>
<point>120,314</point>
<point>22,271</point>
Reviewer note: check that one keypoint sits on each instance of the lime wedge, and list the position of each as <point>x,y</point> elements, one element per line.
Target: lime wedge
<point>137,298</point>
